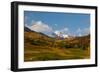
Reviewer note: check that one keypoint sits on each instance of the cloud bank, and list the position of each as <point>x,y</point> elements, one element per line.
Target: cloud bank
<point>83,32</point>
<point>40,26</point>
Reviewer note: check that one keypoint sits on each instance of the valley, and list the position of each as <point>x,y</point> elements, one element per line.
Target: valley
<point>40,47</point>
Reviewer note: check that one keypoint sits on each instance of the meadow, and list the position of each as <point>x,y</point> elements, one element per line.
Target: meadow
<point>39,47</point>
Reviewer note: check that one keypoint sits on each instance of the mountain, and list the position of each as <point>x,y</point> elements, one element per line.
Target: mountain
<point>52,34</point>
<point>40,47</point>
<point>26,29</point>
<point>33,35</point>
<point>36,38</point>
<point>79,42</point>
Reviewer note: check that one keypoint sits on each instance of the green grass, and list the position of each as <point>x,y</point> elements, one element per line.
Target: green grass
<point>40,53</point>
<point>39,47</point>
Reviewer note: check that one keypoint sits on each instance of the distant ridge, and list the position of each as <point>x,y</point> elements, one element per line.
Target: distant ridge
<point>27,29</point>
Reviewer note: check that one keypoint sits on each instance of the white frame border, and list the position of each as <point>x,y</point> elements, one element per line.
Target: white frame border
<point>22,64</point>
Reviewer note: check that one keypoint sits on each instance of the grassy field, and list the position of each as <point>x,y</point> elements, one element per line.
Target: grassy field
<point>42,54</point>
<point>38,47</point>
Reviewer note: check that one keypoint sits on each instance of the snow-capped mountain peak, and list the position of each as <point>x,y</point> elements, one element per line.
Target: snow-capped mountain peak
<point>60,34</point>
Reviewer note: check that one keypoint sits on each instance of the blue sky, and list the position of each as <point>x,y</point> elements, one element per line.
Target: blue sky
<point>68,23</point>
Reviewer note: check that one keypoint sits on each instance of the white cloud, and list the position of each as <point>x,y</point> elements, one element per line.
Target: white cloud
<point>39,22</point>
<point>65,30</point>
<point>86,31</point>
<point>62,33</point>
<point>56,24</point>
<point>78,30</point>
<point>58,33</point>
<point>32,22</point>
<point>82,32</point>
<point>79,34</point>
<point>65,36</point>
<point>39,26</point>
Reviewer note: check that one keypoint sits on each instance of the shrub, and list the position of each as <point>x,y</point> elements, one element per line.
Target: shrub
<point>38,42</point>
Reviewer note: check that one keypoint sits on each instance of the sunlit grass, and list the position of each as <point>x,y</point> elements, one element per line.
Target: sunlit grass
<point>39,47</point>
<point>42,54</point>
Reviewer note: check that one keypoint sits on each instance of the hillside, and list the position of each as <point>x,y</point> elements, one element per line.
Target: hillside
<point>26,29</point>
<point>40,47</point>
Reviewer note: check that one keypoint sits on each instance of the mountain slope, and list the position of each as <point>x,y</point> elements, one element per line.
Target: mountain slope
<point>26,29</point>
<point>40,47</point>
